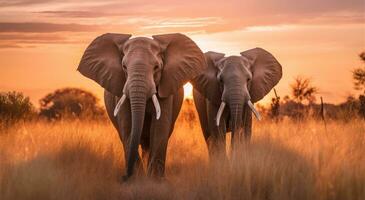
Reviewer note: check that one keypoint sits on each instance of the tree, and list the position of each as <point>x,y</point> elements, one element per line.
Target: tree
<point>302,89</point>
<point>275,107</point>
<point>359,75</point>
<point>70,102</point>
<point>359,81</point>
<point>15,106</point>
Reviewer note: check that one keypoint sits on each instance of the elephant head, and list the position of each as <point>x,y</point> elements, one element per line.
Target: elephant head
<point>141,69</point>
<point>238,81</point>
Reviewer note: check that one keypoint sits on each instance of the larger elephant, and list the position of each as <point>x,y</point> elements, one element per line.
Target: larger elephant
<point>225,92</point>
<point>143,79</point>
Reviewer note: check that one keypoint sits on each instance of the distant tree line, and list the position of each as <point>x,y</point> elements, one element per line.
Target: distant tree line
<point>302,101</point>
<point>63,103</point>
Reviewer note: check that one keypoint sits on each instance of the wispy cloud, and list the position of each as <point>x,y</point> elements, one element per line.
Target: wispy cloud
<point>37,36</point>
<point>7,46</point>
<point>31,27</point>
<point>184,22</point>
<point>25,34</point>
<point>19,40</point>
<point>6,3</point>
<point>145,17</point>
<point>29,34</point>
<point>85,14</point>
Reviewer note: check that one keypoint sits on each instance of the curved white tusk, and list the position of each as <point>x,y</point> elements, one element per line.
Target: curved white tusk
<point>220,112</point>
<point>119,104</point>
<point>157,106</point>
<point>255,112</point>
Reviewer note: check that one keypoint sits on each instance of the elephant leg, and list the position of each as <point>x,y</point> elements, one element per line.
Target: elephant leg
<point>247,122</point>
<point>145,139</point>
<point>177,102</point>
<point>201,107</point>
<point>160,132</point>
<point>217,138</point>
<point>122,124</point>
<point>109,100</point>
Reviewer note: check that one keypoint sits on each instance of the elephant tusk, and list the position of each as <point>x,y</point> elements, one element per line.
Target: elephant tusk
<point>255,112</point>
<point>119,104</point>
<point>157,106</point>
<point>220,111</point>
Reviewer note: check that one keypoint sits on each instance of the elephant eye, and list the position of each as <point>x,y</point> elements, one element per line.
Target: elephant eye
<point>156,67</point>
<point>124,67</point>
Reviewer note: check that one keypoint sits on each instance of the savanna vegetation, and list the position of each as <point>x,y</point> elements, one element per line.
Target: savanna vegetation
<point>83,159</point>
<point>68,149</point>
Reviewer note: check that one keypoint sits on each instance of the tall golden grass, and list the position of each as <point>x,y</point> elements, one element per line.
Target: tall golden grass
<point>285,160</point>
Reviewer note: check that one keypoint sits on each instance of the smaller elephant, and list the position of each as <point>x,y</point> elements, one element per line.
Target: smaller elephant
<point>143,79</point>
<point>235,82</point>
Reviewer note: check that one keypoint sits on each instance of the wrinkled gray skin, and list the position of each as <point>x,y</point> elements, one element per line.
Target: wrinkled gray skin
<point>230,80</point>
<point>154,133</point>
<point>139,68</point>
<point>234,79</point>
<point>142,65</point>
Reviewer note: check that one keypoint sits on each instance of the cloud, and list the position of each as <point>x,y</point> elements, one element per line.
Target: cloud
<point>85,14</point>
<point>6,3</point>
<point>172,16</point>
<point>7,46</point>
<point>39,37</point>
<point>20,40</point>
<point>17,3</point>
<point>144,17</point>
<point>45,27</point>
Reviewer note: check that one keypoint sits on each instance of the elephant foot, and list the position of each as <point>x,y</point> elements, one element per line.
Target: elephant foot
<point>126,179</point>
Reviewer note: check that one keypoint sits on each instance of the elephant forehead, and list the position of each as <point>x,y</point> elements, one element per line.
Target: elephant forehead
<point>141,42</point>
<point>238,62</point>
<point>233,60</point>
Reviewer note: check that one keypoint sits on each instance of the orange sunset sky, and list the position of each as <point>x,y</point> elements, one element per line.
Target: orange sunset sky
<point>41,41</point>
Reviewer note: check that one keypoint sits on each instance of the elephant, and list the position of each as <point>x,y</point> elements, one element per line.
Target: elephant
<point>236,82</point>
<point>142,79</point>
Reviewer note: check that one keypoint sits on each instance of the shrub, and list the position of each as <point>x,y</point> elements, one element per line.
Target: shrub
<point>14,106</point>
<point>71,103</point>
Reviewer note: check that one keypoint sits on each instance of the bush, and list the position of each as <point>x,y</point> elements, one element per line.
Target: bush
<point>362,106</point>
<point>71,103</point>
<point>14,106</point>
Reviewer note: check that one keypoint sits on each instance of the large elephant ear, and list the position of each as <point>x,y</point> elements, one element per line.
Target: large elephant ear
<point>207,83</point>
<point>266,72</point>
<point>102,62</point>
<point>183,60</point>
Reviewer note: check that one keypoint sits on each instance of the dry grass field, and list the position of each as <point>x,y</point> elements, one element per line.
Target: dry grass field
<point>285,160</point>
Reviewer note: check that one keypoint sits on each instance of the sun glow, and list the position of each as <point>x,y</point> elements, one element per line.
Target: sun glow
<point>188,91</point>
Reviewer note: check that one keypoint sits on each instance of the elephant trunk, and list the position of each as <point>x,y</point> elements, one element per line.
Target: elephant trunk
<point>236,100</point>
<point>138,97</point>
<point>236,111</point>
